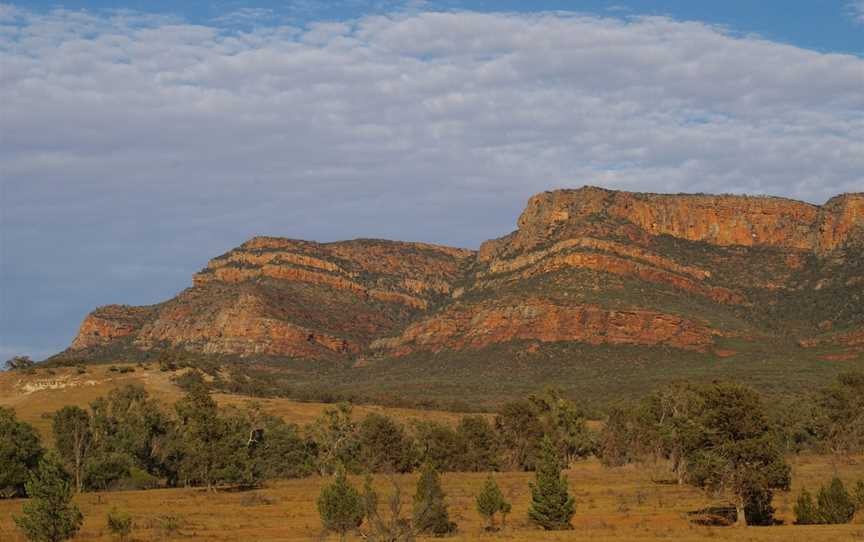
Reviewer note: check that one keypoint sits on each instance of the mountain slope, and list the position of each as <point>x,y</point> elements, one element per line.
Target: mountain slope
<point>690,273</point>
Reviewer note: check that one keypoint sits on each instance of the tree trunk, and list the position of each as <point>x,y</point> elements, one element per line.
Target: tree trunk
<point>741,520</point>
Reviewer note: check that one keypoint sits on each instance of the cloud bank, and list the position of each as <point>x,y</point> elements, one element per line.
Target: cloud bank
<point>135,147</point>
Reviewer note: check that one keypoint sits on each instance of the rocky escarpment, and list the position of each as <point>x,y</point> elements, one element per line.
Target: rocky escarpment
<point>288,298</point>
<point>107,324</point>
<point>466,326</point>
<point>593,266</point>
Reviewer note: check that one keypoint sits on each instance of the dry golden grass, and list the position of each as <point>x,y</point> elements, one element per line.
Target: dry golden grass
<point>35,407</point>
<point>612,504</point>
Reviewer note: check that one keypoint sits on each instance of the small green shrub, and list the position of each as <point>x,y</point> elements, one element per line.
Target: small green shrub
<point>834,505</point>
<point>120,524</point>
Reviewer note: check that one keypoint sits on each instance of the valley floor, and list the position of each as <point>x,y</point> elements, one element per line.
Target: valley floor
<point>612,505</point>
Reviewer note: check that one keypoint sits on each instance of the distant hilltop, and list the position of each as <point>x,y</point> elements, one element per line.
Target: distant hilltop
<point>594,266</point>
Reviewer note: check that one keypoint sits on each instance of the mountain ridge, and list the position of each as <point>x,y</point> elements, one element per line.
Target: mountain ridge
<point>588,265</point>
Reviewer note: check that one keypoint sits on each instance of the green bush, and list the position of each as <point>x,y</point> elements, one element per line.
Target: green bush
<point>491,501</point>
<point>835,504</point>
<point>430,509</point>
<point>50,515</point>
<point>552,507</point>
<point>340,506</point>
<point>120,524</point>
<point>806,511</point>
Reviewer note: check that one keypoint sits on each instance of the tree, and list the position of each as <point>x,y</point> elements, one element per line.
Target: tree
<point>668,427</point>
<point>389,526</point>
<point>214,447</point>
<point>565,422</point>
<point>20,363</point>
<point>430,509</point>
<point>736,451</point>
<point>20,451</point>
<point>128,422</point>
<point>806,511</point>
<point>858,495</point>
<point>340,506</point>
<point>73,440</point>
<point>50,515</point>
<point>335,435</point>
<point>384,445</point>
<point>840,414</point>
<point>834,504</point>
<point>280,451</point>
<point>552,507</point>
<point>617,444</point>
<point>104,469</point>
<point>521,432</point>
<point>439,445</point>
<point>481,448</point>
<point>491,501</point>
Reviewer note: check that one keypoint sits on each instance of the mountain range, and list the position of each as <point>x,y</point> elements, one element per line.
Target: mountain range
<point>710,274</point>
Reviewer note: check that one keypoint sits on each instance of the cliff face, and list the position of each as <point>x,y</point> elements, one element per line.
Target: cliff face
<point>589,265</point>
<point>716,220</point>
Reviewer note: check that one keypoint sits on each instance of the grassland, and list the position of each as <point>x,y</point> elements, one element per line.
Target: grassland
<point>612,504</point>
<point>64,386</point>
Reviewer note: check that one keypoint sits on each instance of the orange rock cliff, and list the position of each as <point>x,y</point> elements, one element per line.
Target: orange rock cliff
<point>590,265</point>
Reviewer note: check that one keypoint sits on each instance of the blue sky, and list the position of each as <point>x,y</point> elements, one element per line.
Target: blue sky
<point>825,25</point>
<point>138,140</point>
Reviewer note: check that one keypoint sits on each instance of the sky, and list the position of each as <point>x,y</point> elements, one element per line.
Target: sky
<point>139,140</point>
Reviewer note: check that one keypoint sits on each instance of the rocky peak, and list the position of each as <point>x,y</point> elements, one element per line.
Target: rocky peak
<point>723,220</point>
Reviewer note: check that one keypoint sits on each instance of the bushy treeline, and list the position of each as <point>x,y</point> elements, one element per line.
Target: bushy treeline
<point>714,436</point>
<point>129,440</point>
<point>242,378</point>
<point>830,420</point>
<point>720,437</point>
<point>477,443</point>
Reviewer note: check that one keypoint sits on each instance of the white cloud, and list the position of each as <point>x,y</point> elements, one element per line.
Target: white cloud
<point>162,143</point>
<point>244,16</point>
<point>856,11</point>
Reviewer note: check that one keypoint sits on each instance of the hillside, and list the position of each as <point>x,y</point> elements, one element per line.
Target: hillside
<point>767,285</point>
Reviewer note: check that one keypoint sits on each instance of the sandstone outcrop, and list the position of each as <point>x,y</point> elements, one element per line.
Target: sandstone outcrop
<point>591,265</point>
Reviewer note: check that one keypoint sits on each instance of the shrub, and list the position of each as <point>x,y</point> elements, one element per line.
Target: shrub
<point>806,512</point>
<point>490,501</point>
<point>384,445</point>
<point>105,470</point>
<point>340,506</point>
<point>858,495</point>
<point>20,451</point>
<point>552,507</point>
<point>481,447</point>
<point>835,504</point>
<point>430,509</point>
<point>389,526</point>
<point>50,515</point>
<point>120,524</point>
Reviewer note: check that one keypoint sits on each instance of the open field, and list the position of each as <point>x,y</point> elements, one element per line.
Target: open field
<point>612,504</point>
